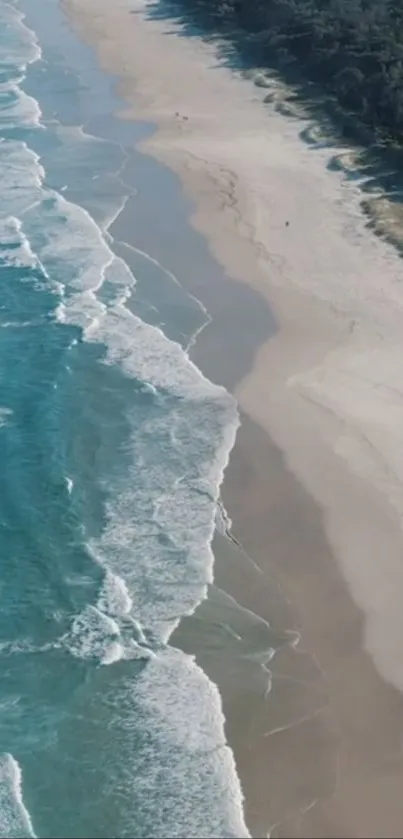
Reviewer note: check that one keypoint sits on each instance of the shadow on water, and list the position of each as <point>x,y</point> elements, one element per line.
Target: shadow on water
<point>373,162</point>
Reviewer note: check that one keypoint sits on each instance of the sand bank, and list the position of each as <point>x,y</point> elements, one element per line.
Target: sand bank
<point>324,515</point>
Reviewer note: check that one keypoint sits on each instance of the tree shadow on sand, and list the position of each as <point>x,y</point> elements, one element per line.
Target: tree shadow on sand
<point>374,163</point>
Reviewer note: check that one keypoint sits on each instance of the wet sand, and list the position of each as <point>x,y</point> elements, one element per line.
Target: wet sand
<point>314,484</point>
<point>332,765</point>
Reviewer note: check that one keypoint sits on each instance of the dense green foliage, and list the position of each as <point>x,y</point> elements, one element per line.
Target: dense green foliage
<point>354,48</point>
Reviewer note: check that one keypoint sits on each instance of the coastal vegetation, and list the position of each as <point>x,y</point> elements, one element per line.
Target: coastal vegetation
<point>352,48</point>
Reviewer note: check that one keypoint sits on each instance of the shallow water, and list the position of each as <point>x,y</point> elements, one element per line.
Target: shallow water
<point>113,446</point>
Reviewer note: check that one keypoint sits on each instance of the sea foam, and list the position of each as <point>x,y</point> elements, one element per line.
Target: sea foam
<point>155,548</point>
<point>15,820</point>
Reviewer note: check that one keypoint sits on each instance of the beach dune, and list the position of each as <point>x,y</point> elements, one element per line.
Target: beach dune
<point>315,482</point>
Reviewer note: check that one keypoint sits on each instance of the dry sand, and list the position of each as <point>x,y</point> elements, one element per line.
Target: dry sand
<point>315,484</point>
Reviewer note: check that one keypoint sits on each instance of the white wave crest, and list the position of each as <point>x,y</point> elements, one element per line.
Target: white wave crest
<point>21,177</point>
<point>182,709</point>
<point>96,636</point>
<point>15,248</point>
<point>19,45</point>
<point>15,820</point>
<point>114,598</point>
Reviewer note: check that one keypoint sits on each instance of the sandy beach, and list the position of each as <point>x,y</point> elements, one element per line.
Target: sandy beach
<point>315,482</point>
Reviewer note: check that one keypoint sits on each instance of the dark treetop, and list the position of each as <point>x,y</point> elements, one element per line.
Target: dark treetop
<point>353,48</point>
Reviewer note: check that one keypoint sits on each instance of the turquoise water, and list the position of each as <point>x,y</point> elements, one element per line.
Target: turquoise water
<point>112,449</point>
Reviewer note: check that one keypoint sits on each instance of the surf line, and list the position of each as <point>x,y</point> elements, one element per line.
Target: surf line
<point>226,524</point>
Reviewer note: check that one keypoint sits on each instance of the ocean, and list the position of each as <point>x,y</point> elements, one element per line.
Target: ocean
<point>112,447</point>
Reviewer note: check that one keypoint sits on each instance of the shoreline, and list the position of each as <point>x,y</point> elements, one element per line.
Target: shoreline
<point>350,768</point>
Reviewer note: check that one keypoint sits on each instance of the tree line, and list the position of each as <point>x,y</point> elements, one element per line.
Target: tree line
<point>352,48</point>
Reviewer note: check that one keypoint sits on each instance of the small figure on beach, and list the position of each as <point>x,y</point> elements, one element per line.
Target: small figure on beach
<point>287,224</point>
